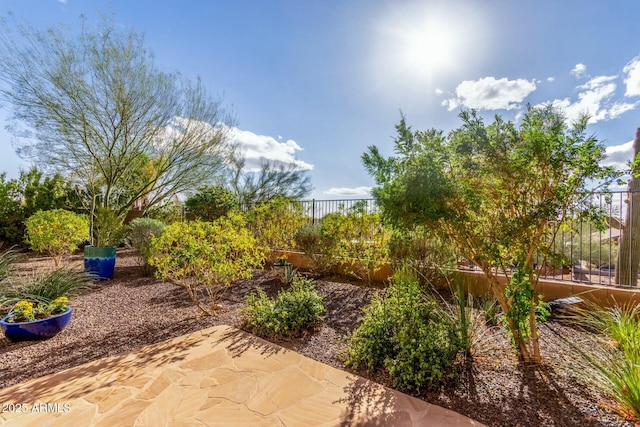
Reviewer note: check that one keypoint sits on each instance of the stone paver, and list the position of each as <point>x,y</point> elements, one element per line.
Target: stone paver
<point>216,377</point>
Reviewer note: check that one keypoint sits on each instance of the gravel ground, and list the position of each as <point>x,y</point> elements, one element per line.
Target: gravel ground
<point>132,310</point>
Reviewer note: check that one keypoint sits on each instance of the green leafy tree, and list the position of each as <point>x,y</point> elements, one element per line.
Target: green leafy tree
<point>42,192</point>
<point>11,211</point>
<point>30,192</point>
<point>210,203</point>
<point>96,108</point>
<point>205,257</point>
<point>498,192</point>
<point>57,232</point>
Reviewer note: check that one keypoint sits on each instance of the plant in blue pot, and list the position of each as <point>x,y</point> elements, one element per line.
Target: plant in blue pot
<point>107,232</point>
<point>28,322</point>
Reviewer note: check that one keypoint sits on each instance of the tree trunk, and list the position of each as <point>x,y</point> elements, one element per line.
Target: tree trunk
<point>498,290</point>
<point>629,242</point>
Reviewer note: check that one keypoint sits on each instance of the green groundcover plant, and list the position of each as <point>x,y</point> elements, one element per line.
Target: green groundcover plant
<point>291,313</point>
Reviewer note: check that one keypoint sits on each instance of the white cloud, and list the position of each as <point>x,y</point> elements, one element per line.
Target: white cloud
<point>598,82</point>
<point>632,79</point>
<point>63,1</point>
<point>257,148</point>
<point>580,70</point>
<point>594,99</point>
<point>551,79</point>
<point>618,108</point>
<point>490,93</point>
<point>438,91</point>
<point>619,155</point>
<point>349,192</point>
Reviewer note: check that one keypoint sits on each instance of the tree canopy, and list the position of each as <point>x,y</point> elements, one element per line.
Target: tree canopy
<point>500,192</point>
<point>271,181</point>
<point>95,107</point>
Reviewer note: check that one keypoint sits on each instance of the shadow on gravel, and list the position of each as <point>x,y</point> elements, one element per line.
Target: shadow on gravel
<point>535,399</point>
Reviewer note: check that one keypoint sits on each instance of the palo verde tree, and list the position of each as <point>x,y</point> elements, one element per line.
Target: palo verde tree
<point>273,180</point>
<point>95,107</point>
<point>499,192</point>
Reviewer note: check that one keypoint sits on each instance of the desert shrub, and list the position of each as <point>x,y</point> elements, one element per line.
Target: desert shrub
<point>617,369</point>
<point>168,213</point>
<point>409,334</point>
<point>291,313</point>
<point>108,228</point>
<point>489,309</point>
<point>421,250</point>
<point>7,263</point>
<point>45,287</point>
<point>57,232</point>
<point>357,240</point>
<point>274,224</point>
<point>210,203</point>
<point>141,231</point>
<point>205,257</point>
<point>309,239</point>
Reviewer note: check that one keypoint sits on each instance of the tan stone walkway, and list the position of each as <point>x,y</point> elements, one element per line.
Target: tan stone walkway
<point>216,377</point>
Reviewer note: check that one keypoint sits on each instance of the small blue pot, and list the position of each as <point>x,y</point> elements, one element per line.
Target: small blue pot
<point>100,261</point>
<point>36,330</point>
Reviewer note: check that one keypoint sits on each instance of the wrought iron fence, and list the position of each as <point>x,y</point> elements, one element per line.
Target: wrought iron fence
<point>587,254</point>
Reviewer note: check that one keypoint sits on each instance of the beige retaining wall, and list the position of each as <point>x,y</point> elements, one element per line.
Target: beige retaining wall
<point>476,283</point>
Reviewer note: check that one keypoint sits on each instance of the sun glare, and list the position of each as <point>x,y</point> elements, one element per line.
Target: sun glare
<point>430,48</point>
<point>422,42</point>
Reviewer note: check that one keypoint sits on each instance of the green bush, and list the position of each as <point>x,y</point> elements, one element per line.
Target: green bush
<point>108,228</point>
<point>205,257</point>
<point>211,203</point>
<point>57,232</point>
<point>7,261</point>
<point>168,213</point>
<point>309,239</point>
<point>618,372</point>
<point>44,288</point>
<point>409,334</point>
<point>293,311</point>
<point>357,240</point>
<point>274,224</point>
<point>141,231</point>
<point>30,192</point>
<point>420,249</point>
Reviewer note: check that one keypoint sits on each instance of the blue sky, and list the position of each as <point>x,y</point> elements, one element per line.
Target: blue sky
<point>316,82</point>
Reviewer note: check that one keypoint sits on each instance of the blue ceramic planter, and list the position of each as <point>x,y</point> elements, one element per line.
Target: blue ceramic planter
<point>37,329</point>
<point>100,261</point>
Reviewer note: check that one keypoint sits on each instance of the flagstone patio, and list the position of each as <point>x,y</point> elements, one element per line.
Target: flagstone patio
<point>219,376</point>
